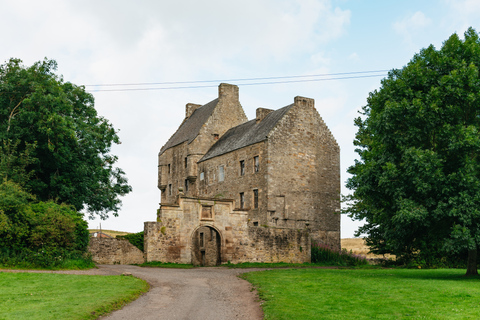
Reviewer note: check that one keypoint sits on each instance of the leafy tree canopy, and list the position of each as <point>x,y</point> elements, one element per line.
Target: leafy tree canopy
<point>417,183</point>
<point>53,142</point>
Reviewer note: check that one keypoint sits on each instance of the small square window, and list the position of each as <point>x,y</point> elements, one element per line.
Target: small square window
<point>242,168</point>
<point>221,173</point>
<point>256,164</point>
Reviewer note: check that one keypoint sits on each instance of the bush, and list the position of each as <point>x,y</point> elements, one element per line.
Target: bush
<point>326,255</point>
<point>135,238</point>
<point>39,234</point>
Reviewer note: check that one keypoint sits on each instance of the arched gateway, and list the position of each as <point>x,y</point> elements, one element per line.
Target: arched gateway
<point>206,247</point>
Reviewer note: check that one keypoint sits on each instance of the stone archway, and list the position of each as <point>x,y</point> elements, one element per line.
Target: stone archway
<point>206,247</point>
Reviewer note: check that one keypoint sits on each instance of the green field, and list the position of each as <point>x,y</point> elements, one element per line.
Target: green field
<point>60,296</point>
<point>367,294</point>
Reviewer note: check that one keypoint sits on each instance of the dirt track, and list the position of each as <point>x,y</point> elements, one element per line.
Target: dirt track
<point>201,293</point>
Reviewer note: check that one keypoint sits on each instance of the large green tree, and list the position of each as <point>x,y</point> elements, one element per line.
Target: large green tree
<point>417,183</point>
<point>53,126</point>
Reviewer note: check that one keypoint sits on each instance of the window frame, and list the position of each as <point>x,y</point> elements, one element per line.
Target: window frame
<point>221,173</point>
<point>255,198</point>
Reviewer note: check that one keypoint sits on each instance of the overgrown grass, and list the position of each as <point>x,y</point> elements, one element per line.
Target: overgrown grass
<point>59,296</point>
<point>158,264</point>
<point>326,255</point>
<point>46,260</point>
<point>367,294</point>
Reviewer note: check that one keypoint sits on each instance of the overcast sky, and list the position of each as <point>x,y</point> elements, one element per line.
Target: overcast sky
<point>125,42</point>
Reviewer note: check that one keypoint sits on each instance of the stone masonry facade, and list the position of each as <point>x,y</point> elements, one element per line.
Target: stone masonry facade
<point>234,190</point>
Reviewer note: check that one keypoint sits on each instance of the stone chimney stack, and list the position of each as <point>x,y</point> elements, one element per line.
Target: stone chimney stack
<point>228,92</point>
<point>261,114</point>
<point>190,108</point>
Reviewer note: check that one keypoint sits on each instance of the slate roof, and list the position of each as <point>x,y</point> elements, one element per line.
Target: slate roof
<point>246,134</point>
<point>190,128</point>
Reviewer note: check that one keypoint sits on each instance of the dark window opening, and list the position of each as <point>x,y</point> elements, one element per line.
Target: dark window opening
<point>202,240</point>
<point>256,163</point>
<point>255,224</point>
<point>215,136</point>
<point>255,198</point>
<point>186,162</point>
<point>169,189</point>
<point>242,168</point>
<point>169,170</point>
<point>242,200</point>
<point>186,185</point>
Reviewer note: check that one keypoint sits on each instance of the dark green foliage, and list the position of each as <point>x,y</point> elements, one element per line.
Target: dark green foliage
<point>53,142</point>
<point>417,183</point>
<point>325,255</point>
<point>38,234</point>
<point>135,238</point>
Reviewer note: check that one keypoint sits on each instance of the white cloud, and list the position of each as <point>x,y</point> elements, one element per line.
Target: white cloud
<point>411,25</point>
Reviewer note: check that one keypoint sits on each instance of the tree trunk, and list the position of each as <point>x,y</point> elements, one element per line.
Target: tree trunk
<point>472,263</point>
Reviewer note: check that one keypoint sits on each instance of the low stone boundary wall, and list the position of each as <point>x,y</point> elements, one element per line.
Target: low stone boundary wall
<point>114,251</point>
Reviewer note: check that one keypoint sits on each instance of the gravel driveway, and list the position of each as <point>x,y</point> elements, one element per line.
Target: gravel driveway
<point>200,293</point>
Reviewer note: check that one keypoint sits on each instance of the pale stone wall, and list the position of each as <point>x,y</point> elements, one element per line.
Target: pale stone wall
<point>234,183</point>
<point>171,238</point>
<point>304,174</point>
<point>228,113</point>
<point>114,251</point>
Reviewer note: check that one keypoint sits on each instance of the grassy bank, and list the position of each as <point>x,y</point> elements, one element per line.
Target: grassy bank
<point>367,294</point>
<point>60,296</point>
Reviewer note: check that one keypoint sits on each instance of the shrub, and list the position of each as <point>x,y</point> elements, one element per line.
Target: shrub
<point>135,238</point>
<point>39,234</point>
<point>326,255</point>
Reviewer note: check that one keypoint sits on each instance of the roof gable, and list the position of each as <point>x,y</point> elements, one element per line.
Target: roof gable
<point>246,134</point>
<point>190,128</point>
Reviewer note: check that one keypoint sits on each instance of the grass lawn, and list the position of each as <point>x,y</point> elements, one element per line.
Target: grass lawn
<point>61,296</point>
<point>367,294</point>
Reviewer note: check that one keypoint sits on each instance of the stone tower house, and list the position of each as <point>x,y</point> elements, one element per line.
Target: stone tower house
<point>238,190</point>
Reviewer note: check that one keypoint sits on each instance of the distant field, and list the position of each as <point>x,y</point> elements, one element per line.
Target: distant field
<point>111,233</point>
<point>358,246</point>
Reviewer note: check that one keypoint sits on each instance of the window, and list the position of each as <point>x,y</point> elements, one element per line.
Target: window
<point>186,185</point>
<point>186,162</point>
<point>215,136</point>
<point>256,164</point>
<point>170,189</point>
<point>202,240</point>
<point>242,200</point>
<point>242,168</point>
<point>221,173</point>
<point>255,198</point>
<point>169,170</point>
<point>202,176</point>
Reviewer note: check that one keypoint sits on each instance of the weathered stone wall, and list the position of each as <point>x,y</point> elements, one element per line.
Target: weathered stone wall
<point>114,251</point>
<point>234,182</point>
<point>227,114</point>
<point>304,174</point>
<point>173,238</point>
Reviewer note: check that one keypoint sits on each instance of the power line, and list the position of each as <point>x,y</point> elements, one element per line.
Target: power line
<point>240,84</point>
<point>231,80</point>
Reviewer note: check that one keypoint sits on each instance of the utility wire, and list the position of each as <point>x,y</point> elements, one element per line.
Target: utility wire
<point>239,79</point>
<point>240,84</point>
